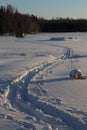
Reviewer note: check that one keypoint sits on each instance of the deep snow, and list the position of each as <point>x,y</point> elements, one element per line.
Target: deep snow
<point>36,92</point>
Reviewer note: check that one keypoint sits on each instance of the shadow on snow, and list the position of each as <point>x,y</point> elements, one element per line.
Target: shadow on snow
<point>50,80</point>
<point>79,56</point>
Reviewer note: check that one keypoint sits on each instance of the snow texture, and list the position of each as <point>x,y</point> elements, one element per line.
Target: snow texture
<point>36,92</point>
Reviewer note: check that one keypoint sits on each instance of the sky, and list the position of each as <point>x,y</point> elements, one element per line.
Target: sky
<point>50,8</point>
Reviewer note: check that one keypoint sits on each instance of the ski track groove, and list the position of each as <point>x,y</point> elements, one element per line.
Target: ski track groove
<point>18,94</point>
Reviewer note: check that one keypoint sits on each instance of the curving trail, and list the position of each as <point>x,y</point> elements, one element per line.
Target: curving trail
<point>26,94</point>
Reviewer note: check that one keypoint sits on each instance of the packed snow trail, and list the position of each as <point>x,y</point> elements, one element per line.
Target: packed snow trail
<point>55,115</point>
<point>23,81</point>
<point>36,92</point>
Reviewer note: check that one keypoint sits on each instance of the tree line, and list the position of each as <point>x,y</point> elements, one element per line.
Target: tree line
<point>14,23</point>
<point>64,25</point>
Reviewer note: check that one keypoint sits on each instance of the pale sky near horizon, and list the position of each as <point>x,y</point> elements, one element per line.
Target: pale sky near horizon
<point>50,8</point>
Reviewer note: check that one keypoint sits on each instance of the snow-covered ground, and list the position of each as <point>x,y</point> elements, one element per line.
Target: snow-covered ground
<point>36,92</point>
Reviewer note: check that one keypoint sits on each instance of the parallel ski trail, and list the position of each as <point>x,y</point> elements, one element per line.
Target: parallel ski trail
<point>54,115</point>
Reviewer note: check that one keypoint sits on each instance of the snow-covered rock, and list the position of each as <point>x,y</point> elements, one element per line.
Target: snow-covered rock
<point>76,74</point>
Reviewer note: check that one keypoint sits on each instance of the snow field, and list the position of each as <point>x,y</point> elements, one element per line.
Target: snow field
<point>36,92</point>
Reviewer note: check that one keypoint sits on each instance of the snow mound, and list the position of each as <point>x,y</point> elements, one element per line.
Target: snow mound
<point>76,74</point>
<point>72,38</point>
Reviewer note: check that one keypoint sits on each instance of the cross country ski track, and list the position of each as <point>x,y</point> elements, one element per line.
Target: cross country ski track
<point>49,111</point>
